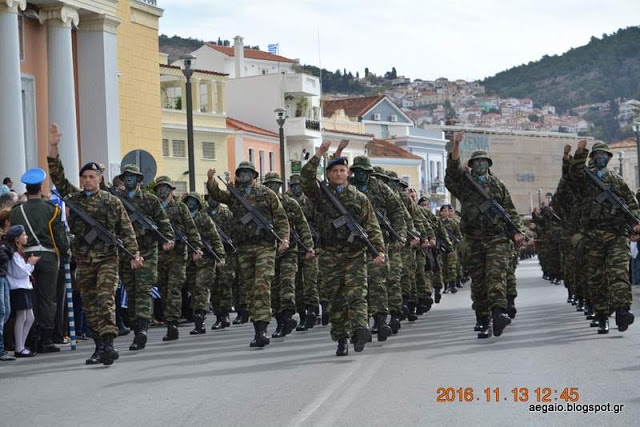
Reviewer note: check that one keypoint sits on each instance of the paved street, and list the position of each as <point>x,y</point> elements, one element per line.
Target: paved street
<point>217,380</point>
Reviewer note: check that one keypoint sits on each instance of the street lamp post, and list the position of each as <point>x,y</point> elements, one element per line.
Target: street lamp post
<point>620,159</point>
<point>539,197</point>
<point>281,117</point>
<point>636,127</point>
<point>188,61</point>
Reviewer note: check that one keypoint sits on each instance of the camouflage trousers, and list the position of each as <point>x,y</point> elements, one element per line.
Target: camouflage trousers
<point>487,265</point>
<point>511,272</point>
<point>569,264</point>
<point>394,288</point>
<point>450,267</point>
<point>608,257</point>
<point>283,286</point>
<point>377,299</point>
<point>436,277</point>
<point>307,282</point>
<point>554,257</point>
<point>200,276</point>
<point>581,287</point>
<point>408,278</point>
<point>256,268</point>
<point>346,273</point>
<point>138,284</point>
<point>221,287</point>
<point>324,288</point>
<point>172,274</point>
<point>98,281</point>
<point>423,280</point>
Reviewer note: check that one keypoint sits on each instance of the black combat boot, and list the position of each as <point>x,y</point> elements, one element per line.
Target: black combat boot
<point>310,320</point>
<point>459,283</point>
<point>289,322</point>
<point>478,325</point>
<point>95,358</point>
<point>242,316</point>
<point>569,296</point>
<point>394,323</point>
<point>343,347</point>
<point>109,353</point>
<point>420,308</point>
<point>303,321</point>
<point>325,314</point>
<point>437,296</point>
<point>384,330</point>
<point>45,344</point>
<point>199,328</point>
<point>500,320</point>
<point>511,306</point>
<point>261,339</point>
<point>603,323</point>
<point>140,340</point>
<point>485,327</point>
<point>222,321</point>
<point>405,308</point>
<point>411,317</point>
<point>424,305</point>
<point>624,318</point>
<point>446,288</point>
<point>279,332</point>
<point>172,332</point>
<point>545,276</point>
<point>361,338</point>
<point>122,329</point>
<point>452,287</point>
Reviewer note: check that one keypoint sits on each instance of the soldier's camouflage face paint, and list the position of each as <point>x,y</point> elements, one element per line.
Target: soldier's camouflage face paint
<point>163,191</point>
<point>244,176</point>
<point>360,176</point>
<point>192,204</point>
<point>130,181</point>
<point>296,189</point>
<point>393,184</point>
<point>600,159</point>
<point>273,186</point>
<point>480,167</point>
<point>213,203</point>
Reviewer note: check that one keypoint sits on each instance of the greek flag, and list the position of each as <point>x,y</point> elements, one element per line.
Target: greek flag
<point>273,48</point>
<point>155,293</point>
<point>124,301</point>
<point>60,203</point>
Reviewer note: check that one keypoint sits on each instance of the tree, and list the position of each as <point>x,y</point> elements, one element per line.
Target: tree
<point>366,72</point>
<point>358,75</point>
<point>394,74</point>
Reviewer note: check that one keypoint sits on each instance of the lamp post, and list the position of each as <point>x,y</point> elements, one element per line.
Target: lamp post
<point>620,158</point>
<point>539,197</point>
<point>636,128</point>
<point>188,62</point>
<point>281,117</point>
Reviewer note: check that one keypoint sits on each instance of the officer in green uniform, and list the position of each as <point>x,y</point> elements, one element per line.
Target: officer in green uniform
<point>256,246</point>
<point>96,261</point>
<point>47,240</point>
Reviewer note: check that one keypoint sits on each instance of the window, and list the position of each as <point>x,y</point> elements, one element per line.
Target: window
<point>251,155</point>
<point>271,161</point>
<point>525,177</point>
<point>208,150</point>
<point>181,187</point>
<point>261,155</point>
<point>174,98</point>
<point>165,148</point>
<point>178,148</point>
<point>384,131</point>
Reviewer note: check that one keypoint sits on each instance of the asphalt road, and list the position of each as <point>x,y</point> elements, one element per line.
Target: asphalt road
<point>217,380</point>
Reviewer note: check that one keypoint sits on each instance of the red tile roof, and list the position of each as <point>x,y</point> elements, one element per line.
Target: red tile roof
<point>250,53</point>
<point>238,125</point>
<point>383,148</point>
<point>353,107</point>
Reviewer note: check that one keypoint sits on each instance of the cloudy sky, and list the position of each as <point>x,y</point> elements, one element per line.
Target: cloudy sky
<point>468,39</point>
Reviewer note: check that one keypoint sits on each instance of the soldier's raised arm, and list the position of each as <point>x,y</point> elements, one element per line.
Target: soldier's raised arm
<point>454,175</point>
<point>56,170</point>
<point>217,193</point>
<point>308,174</point>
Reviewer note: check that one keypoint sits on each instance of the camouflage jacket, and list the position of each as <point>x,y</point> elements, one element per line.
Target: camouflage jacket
<point>149,205</point>
<point>208,234</point>
<point>264,201</point>
<point>474,224</point>
<point>417,216</point>
<point>222,216</point>
<point>452,227</point>
<point>356,203</point>
<point>182,222</point>
<point>297,220</point>
<point>45,220</point>
<point>440,232</point>
<point>564,202</point>
<point>384,202</point>
<point>596,215</point>
<point>309,210</point>
<point>103,207</point>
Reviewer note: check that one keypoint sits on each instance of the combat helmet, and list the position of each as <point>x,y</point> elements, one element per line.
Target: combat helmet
<point>247,165</point>
<point>600,146</point>
<point>480,155</point>
<point>193,195</point>
<point>132,169</point>
<point>272,177</point>
<point>362,162</point>
<point>163,179</point>
<point>392,176</point>
<point>294,179</point>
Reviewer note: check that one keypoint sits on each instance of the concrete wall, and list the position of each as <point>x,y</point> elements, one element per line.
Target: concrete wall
<point>253,99</point>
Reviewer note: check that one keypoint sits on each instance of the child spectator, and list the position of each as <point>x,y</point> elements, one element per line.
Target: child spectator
<point>19,276</point>
<point>5,306</point>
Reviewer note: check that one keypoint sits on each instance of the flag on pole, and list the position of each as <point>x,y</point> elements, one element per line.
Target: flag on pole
<point>273,48</point>
<point>60,203</point>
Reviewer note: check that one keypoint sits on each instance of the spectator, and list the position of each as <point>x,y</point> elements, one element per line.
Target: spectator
<point>5,306</point>
<point>8,182</point>
<point>19,272</point>
<point>4,189</point>
<point>635,264</point>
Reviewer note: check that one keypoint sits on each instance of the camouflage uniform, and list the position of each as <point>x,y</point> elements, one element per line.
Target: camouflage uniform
<point>172,266</point>
<point>606,240</point>
<point>96,262</point>
<point>450,267</point>
<point>256,247</point>
<point>432,275</point>
<point>343,261</point>
<point>489,248</point>
<point>221,290</point>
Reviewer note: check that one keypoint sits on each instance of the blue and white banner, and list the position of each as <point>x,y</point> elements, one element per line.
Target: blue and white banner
<point>273,48</point>
<point>60,203</point>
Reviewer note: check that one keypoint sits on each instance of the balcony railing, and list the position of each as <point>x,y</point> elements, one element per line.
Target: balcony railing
<point>312,124</point>
<point>151,2</point>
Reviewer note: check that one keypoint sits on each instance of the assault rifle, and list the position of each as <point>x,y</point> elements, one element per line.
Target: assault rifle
<point>346,219</point>
<point>136,216</point>
<point>226,240</point>
<point>182,238</point>
<point>384,223</point>
<point>616,203</point>
<point>492,209</point>
<point>252,213</point>
<point>551,214</point>
<point>208,249</point>
<point>452,237</point>
<point>295,237</point>
<point>98,231</point>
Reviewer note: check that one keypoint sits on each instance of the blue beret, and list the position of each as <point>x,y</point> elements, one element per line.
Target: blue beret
<point>33,176</point>
<point>338,161</point>
<point>91,166</point>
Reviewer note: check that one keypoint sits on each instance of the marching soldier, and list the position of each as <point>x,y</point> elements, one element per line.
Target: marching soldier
<point>256,244</point>
<point>96,261</point>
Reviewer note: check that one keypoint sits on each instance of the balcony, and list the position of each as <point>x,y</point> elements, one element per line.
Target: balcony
<point>302,128</point>
<point>301,85</point>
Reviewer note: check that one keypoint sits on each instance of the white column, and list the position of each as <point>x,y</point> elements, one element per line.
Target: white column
<point>98,92</point>
<point>62,94</point>
<point>195,94</point>
<point>12,155</point>
<point>222,108</point>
